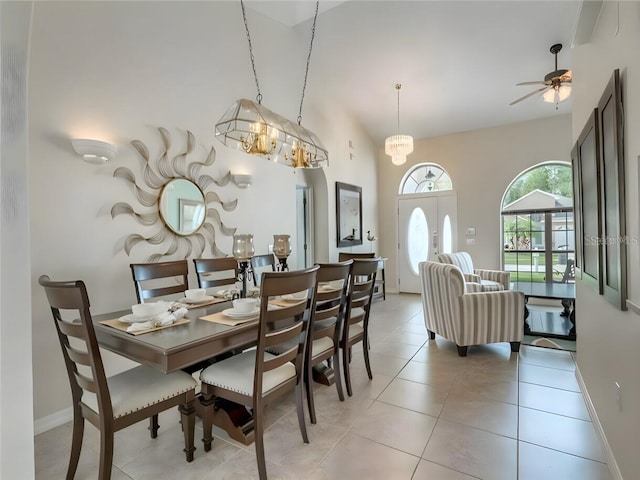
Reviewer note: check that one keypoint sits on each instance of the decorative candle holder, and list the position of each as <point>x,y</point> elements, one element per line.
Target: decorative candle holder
<point>243,250</point>
<point>282,250</point>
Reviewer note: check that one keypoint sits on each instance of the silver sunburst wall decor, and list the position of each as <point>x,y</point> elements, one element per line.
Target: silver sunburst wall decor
<point>158,174</point>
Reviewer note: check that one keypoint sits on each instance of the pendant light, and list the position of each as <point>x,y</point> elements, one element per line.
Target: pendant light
<point>253,128</point>
<point>398,146</point>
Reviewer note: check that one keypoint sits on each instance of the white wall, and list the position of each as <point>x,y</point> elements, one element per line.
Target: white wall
<point>482,163</point>
<point>16,421</point>
<point>607,337</point>
<point>116,70</point>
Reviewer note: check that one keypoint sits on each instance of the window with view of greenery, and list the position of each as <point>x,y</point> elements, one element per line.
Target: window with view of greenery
<point>537,225</point>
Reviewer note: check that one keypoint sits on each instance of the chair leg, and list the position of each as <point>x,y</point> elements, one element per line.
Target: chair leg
<point>106,452</point>
<point>308,384</point>
<point>154,426</point>
<point>345,369</point>
<point>207,401</point>
<point>188,417</point>
<point>515,346</point>
<point>462,351</point>
<point>300,409</point>
<point>258,435</point>
<point>336,371</point>
<point>76,442</point>
<point>365,350</point>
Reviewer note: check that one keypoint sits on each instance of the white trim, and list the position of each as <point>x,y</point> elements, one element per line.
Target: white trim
<point>52,421</point>
<point>608,453</point>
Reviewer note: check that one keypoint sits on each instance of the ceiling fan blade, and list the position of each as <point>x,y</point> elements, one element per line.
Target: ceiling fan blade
<point>530,94</point>
<point>539,82</point>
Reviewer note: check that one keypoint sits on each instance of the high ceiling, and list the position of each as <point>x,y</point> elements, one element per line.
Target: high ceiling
<point>458,62</point>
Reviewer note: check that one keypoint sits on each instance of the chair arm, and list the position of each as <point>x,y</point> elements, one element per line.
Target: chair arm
<point>472,287</point>
<point>496,276</point>
<point>471,277</point>
<point>491,317</point>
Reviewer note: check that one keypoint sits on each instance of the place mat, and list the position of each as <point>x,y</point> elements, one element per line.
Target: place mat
<point>281,302</point>
<point>117,324</point>
<point>211,301</point>
<point>221,318</point>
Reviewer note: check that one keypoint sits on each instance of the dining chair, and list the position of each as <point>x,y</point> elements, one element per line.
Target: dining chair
<point>216,272</point>
<point>110,403</point>
<point>145,276</point>
<point>258,264</point>
<point>356,320</point>
<point>256,377</point>
<point>324,340</point>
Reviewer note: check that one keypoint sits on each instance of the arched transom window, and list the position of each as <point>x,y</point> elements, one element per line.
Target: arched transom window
<point>424,178</point>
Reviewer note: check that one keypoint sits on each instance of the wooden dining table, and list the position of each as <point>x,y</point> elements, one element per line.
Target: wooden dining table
<point>178,347</point>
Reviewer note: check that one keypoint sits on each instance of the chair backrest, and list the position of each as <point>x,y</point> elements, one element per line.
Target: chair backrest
<point>281,325</point>
<point>569,272</point>
<point>462,260</point>
<point>442,284</point>
<point>258,262</point>
<point>331,302</point>
<point>344,256</point>
<point>78,342</point>
<point>145,274</point>
<point>361,287</point>
<point>215,272</point>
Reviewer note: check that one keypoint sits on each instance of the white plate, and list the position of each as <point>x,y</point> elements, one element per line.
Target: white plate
<point>206,298</point>
<point>231,312</point>
<point>220,293</point>
<point>131,318</point>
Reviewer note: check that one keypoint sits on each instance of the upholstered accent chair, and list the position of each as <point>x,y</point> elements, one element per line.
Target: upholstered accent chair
<point>491,280</point>
<point>456,313</point>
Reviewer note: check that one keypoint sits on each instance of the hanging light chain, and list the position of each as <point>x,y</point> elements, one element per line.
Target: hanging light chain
<point>398,87</point>
<point>253,64</point>
<point>306,72</point>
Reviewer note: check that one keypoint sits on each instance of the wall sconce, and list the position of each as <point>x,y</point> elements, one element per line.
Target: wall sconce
<point>242,180</point>
<point>94,151</point>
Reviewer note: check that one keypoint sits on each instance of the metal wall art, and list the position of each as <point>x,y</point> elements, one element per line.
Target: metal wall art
<point>182,206</point>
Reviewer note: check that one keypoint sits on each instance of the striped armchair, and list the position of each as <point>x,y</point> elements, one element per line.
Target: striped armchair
<point>466,318</point>
<point>491,280</point>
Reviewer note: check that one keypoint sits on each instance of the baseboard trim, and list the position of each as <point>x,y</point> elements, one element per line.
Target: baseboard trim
<point>608,453</point>
<point>54,420</point>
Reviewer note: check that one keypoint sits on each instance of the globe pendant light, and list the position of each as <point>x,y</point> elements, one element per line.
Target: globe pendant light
<point>398,146</point>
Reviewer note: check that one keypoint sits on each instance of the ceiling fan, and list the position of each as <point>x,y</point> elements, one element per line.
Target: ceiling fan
<point>556,85</point>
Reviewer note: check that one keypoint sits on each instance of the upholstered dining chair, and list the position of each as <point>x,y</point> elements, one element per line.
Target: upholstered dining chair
<point>110,403</point>
<point>216,272</point>
<point>466,317</point>
<point>491,280</point>
<point>256,377</point>
<point>258,264</point>
<point>324,340</point>
<point>356,320</point>
<point>146,275</point>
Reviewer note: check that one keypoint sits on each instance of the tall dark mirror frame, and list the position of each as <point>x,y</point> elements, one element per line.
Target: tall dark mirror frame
<point>348,214</point>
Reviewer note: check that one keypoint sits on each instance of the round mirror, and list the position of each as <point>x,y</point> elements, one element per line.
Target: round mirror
<point>182,207</point>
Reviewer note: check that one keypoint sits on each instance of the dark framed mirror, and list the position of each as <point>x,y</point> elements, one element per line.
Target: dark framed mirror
<point>348,214</point>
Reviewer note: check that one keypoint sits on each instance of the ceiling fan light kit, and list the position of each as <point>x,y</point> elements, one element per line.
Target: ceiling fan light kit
<point>556,85</point>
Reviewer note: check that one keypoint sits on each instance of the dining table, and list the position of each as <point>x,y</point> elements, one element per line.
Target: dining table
<point>190,342</point>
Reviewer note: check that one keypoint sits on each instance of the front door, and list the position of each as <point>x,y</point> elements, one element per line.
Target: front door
<point>427,226</point>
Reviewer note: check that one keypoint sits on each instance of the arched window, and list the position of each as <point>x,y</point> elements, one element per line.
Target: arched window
<point>425,177</point>
<point>538,232</point>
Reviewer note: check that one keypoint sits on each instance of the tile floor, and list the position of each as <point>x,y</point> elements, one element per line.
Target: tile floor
<point>427,414</point>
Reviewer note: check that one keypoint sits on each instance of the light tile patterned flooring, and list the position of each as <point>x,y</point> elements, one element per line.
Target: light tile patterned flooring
<point>427,414</point>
